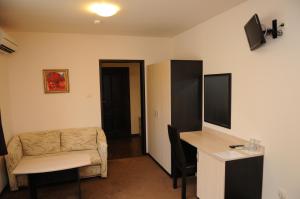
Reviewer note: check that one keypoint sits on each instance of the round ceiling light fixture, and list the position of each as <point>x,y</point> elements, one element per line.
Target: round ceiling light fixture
<point>104,9</point>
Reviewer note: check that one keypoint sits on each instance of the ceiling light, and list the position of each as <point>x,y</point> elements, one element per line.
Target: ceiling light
<point>104,9</point>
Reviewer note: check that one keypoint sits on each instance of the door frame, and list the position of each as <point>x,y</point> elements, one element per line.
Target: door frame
<point>142,90</point>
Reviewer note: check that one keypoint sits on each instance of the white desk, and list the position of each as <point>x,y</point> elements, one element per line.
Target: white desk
<point>51,169</point>
<point>223,173</point>
<point>51,163</point>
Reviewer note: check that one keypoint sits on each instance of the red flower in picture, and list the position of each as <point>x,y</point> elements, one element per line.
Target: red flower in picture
<point>56,81</point>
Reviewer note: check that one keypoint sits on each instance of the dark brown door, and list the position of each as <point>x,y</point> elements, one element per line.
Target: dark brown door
<point>116,102</point>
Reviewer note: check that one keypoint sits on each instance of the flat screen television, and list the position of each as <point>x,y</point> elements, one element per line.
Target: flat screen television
<point>217,99</point>
<point>254,33</point>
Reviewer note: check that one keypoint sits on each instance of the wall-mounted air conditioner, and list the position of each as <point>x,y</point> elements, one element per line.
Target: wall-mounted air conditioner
<point>7,44</point>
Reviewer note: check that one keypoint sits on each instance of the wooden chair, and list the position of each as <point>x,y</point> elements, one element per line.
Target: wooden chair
<point>179,160</point>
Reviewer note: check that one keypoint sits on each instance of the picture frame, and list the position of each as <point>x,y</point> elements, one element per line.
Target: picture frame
<point>56,80</point>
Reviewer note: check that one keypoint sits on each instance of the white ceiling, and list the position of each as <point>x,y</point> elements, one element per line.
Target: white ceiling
<point>159,18</point>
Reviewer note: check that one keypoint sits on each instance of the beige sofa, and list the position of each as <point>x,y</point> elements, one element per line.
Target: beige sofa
<point>91,141</point>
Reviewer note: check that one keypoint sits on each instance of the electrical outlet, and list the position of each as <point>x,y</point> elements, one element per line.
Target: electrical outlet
<point>282,194</point>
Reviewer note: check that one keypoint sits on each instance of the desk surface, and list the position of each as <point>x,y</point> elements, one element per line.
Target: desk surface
<point>51,163</point>
<point>217,144</point>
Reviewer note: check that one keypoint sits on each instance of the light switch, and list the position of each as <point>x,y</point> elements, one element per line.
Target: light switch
<point>156,114</point>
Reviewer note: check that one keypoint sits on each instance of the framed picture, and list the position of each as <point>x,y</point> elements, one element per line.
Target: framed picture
<point>56,80</point>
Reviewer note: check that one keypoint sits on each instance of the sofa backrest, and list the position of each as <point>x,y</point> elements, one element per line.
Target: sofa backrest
<point>78,139</point>
<point>39,143</point>
<point>15,153</point>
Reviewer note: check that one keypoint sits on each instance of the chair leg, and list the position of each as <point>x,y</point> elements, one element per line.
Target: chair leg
<point>183,187</point>
<point>175,179</point>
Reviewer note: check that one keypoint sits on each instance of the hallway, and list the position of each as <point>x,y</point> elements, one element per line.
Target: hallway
<point>124,147</point>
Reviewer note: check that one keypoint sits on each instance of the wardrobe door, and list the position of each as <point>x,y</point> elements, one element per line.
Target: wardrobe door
<point>186,100</point>
<point>159,112</point>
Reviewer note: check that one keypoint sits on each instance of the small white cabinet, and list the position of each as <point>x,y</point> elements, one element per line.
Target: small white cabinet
<point>210,177</point>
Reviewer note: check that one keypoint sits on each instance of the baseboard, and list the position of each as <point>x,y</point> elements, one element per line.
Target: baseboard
<point>159,165</point>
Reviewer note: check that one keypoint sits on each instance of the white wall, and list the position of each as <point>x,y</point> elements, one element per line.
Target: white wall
<point>4,107</point>
<point>4,96</point>
<point>32,110</point>
<point>265,84</point>
<point>135,93</point>
<point>24,105</point>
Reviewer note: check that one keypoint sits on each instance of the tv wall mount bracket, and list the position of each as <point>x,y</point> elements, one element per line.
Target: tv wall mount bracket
<point>275,31</point>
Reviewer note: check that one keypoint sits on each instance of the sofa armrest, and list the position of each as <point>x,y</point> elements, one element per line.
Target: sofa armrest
<point>15,154</point>
<point>102,150</point>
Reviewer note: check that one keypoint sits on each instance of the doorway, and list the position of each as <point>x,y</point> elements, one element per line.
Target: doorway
<point>116,102</point>
<point>122,88</point>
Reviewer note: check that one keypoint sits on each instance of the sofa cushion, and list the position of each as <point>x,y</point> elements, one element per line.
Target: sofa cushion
<point>40,143</point>
<point>78,139</point>
<point>15,153</point>
<point>94,155</point>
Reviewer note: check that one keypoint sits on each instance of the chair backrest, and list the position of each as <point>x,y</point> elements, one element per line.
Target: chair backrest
<point>176,147</point>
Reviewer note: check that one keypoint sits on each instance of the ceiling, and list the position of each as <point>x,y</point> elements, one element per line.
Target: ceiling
<point>158,18</point>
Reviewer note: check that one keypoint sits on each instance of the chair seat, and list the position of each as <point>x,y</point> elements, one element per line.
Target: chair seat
<point>190,169</point>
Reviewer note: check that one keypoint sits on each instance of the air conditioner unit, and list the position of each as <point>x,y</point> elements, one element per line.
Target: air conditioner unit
<point>7,44</point>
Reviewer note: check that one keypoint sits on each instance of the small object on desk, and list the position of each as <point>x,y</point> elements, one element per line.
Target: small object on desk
<point>240,148</point>
<point>253,144</point>
<point>236,146</point>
